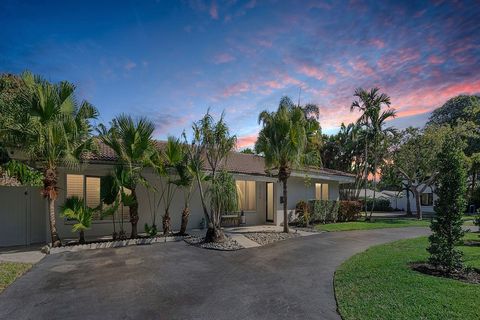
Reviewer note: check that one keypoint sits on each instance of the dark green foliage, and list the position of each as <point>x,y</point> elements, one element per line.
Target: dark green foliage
<point>349,210</point>
<point>447,225</point>
<point>324,211</point>
<point>25,174</point>
<point>380,204</point>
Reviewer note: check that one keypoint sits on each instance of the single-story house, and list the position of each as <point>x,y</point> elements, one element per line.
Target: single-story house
<point>260,196</point>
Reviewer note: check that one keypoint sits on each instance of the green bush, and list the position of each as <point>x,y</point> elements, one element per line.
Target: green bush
<point>302,212</point>
<point>324,211</point>
<point>349,210</point>
<point>380,204</point>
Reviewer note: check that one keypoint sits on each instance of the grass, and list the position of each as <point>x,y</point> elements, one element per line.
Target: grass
<point>378,284</point>
<point>9,271</point>
<point>375,224</point>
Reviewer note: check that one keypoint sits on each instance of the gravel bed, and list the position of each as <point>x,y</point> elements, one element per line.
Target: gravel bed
<point>228,245</point>
<point>306,229</point>
<point>264,238</point>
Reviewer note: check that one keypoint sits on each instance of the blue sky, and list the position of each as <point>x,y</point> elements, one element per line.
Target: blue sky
<point>171,60</point>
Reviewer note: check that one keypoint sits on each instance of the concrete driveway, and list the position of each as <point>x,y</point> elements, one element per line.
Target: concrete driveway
<point>291,279</point>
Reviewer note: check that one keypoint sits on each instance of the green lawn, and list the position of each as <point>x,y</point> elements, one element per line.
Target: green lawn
<point>378,284</point>
<point>375,224</point>
<point>9,271</point>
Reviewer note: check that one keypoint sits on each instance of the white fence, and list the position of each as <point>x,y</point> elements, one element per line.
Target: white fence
<point>22,216</point>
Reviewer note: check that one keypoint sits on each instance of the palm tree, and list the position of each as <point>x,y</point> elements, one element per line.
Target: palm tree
<point>186,176</point>
<point>282,142</point>
<point>75,208</point>
<point>373,118</point>
<point>132,143</point>
<point>172,156</point>
<point>56,132</point>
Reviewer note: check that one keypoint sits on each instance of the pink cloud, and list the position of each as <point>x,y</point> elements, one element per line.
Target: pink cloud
<point>435,59</point>
<point>213,11</point>
<point>311,71</point>
<point>426,99</point>
<point>223,58</point>
<point>236,89</point>
<point>362,66</point>
<point>247,140</point>
<point>377,43</point>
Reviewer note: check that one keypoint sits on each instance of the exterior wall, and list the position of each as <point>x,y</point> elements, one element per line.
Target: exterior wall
<point>402,202</point>
<point>301,189</point>
<point>146,200</point>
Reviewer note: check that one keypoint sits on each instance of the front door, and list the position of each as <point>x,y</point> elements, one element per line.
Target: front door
<point>269,205</point>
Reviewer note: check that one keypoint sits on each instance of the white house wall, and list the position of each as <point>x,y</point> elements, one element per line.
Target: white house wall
<point>105,227</point>
<point>299,189</point>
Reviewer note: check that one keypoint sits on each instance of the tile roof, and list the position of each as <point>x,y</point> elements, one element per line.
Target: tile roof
<point>237,162</point>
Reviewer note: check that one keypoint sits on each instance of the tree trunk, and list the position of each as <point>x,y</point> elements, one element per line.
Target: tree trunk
<point>409,208</point>
<point>366,177</point>
<point>53,225</point>
<point>214,234</point>
<point>82,237</point>
<point>50,192</point>
<point>133,209</point>
<point>418,203</point>
<point>285,207</point>
<point>166,223</point>
<point>185,216</point>
<point>474,181</point>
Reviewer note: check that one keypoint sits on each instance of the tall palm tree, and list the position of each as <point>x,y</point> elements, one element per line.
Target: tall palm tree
<point>131,140</point>
<point>373,118</point>
<point>185,181</point>
<point>56,132</point>
<point>282,142</point>
<point>172,156</point>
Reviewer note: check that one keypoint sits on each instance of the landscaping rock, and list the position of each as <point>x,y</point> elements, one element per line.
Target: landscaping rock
<point>228,245</point>
<point>264,238</point>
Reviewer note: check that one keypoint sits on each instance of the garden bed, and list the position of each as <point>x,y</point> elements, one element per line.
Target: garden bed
<point>228,245</point>
<point>105,243</point>
<point>468,275</point>
<point>267,237</point>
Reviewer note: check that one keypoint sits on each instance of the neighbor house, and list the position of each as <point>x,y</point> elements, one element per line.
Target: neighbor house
<point>260,197</point>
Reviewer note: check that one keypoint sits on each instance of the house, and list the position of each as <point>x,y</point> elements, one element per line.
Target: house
<point>260,194</point>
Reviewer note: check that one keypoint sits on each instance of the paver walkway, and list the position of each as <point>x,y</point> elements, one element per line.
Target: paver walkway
<point>291,279</point>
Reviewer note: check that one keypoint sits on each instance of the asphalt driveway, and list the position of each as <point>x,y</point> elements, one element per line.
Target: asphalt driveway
<point>291,279</point>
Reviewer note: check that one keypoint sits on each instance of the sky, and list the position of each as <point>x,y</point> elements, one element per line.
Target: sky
<point>171,61</point>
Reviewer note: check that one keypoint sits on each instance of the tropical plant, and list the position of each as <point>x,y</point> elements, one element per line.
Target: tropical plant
<point>56,131</point>
<point>172,156</point>
<point>131,140</point>
<point>25,174</point>
<point>74,208</point>
<point>115,195</point>
<point>373,118</point>
<point>446,227</point>
<point>282,141</point>
<point>185,182</point>
<point>211,143</point>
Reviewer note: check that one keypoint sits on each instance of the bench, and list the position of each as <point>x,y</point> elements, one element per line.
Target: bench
<point>231,220</point>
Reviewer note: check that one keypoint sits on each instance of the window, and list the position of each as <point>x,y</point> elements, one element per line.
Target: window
<point>426,199</point>
<point>246,193</point>
<point>88,188</point>
<point>321,191</point>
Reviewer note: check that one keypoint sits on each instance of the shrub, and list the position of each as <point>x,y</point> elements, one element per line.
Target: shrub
<point>324,211</point>
<point>380,204</point>
<point>447,225</point>
<point>349,210</point>
<point>302,213</point>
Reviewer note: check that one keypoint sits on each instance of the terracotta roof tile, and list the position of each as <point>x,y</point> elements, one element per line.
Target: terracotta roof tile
<point>237,162</point>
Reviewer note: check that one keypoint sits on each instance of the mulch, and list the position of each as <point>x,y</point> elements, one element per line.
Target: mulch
<point>468,275</point>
